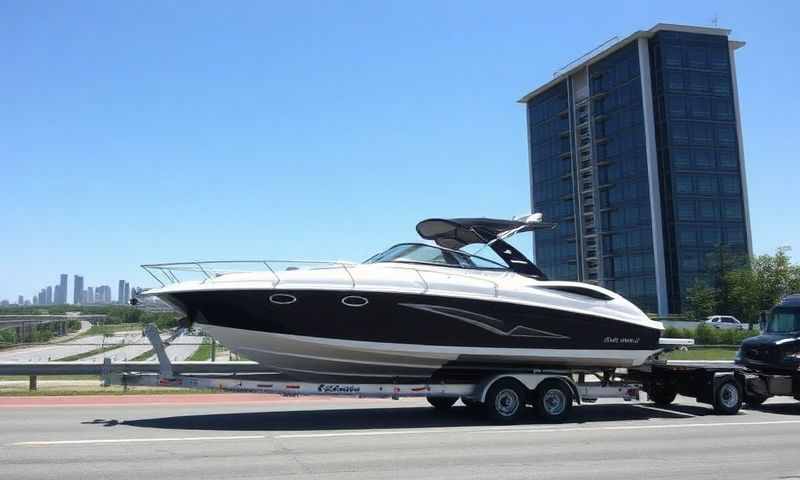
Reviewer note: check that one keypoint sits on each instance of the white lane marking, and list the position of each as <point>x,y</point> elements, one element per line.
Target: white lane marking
<point>136,440</point>
<point>536,430</point>
<point>665,410</point>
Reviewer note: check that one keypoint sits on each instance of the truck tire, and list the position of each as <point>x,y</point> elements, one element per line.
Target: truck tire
<point>442,403</point>
<point>505,401</point>
<point>728,397</point>
<point>662,394</point>
<point>553,400</point>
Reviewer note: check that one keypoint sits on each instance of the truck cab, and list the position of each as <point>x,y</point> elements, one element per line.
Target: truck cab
<point>777,349</point>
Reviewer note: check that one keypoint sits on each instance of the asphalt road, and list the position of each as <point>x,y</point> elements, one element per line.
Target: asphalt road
<point>352,438</point>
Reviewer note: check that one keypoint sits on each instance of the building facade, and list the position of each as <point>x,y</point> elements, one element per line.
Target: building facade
<point>636,153</point>
<point>77,294</point>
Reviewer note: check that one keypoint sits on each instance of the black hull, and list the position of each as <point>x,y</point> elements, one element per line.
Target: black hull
<point>418,319</point>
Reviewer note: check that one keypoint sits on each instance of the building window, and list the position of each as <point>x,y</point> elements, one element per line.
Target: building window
<point>730,185</point>
<point>720,85</point>
<point>680,134</point>
<point>727,159</point>
<point>686,210</point>
<point>676,105</point>
<point>706,210</point>
<point>701,107</point>
<point>680,159</point>
<point>683,184</point>
<point>698,82</point>
<point>687,237</point>
<point>697,56</point>
<point>731,210</point>
<point>726,136</point>
<point>722,109</point>
<point>675,81</point>
<point>673,55</point>
<point>719,58</point>
<point>734,236</point>
<point>705,185</point>
<point>703,159</point>
<point>711,236</point>
<point>702,134</point>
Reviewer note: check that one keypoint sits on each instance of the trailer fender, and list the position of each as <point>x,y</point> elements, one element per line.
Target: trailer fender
<point>529,380</point>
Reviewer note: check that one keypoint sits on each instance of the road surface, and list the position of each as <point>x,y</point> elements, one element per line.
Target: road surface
<point>181,348</point>
<point>56,351</point>
<point>251,436</point>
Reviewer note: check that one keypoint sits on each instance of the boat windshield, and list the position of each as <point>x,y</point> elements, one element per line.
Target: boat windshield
<point>784,320</point>
<point>432,255</point>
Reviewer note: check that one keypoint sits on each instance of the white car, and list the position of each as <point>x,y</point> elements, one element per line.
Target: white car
<point>724,322</point>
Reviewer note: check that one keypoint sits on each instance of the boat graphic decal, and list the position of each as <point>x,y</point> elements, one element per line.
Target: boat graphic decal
<point>492,324</point>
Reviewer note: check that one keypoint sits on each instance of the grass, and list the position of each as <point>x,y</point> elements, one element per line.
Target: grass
<point>11,378</point>
<point>704,353</point>
<point>96,351</point>
<point>203,352</point>
<point>143,356</point>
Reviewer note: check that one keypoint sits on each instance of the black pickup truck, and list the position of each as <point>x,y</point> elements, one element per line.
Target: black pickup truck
<point>777,350</point>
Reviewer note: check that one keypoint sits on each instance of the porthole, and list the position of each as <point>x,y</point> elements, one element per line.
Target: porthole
<point>355,301</point>
<point>282,298</point>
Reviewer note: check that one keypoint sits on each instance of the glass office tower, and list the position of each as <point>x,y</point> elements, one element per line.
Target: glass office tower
<point>635,151</point>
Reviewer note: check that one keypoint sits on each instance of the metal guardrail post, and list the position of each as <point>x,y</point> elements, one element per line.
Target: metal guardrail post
<point>213,350</point>
<point>32,383</point>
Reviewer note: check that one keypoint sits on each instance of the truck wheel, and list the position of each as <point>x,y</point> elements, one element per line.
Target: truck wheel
<point>553,400</point>
<point>728,397</point>
<point>442,403</point>
<point>754,401</point>
<point>662,394</point>
<point>505,401</point>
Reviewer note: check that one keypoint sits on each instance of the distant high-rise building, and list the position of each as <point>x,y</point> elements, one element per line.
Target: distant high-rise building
<point>102,295</point>
<point>61,299</point>
<point>89,295</point>
<point>42,297</point>
<point>77,289</point>
<point>48,296</point>
<point>127,293</point>
<point>121,291</point>
<point>20,300</point>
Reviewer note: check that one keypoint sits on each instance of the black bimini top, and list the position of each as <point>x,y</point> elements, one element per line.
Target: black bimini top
<point>455,233</point>
<point>458,232</point>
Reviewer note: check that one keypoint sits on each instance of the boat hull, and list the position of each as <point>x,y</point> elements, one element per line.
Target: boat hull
<point>318,333</point>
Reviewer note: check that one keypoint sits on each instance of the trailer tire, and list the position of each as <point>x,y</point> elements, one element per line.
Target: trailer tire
<point>505,401</point>
<point>553,400</point>
<point>662,394</point>
<point>728,397</point>
<point>442,403</point>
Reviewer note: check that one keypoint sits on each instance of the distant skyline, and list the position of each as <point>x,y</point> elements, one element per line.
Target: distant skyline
<point>313,130</point>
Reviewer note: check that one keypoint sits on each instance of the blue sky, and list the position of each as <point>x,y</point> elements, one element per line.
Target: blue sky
<point>140,132</point>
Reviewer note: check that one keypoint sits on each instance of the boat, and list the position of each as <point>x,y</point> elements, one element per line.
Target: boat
<point>777,349</point>
<point>415,310</point>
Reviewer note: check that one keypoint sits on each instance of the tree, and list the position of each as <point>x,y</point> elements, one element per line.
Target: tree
<point>701,300</point>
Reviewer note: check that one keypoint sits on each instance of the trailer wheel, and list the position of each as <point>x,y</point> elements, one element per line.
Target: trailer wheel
<point>442,403</point>
<point>662,394</point>
<point>728,397</point>
<point>553,400</point>
<point>754,401</point>
<point>505,401</point>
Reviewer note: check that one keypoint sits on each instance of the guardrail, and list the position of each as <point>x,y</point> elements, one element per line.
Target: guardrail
<point>35,369</point>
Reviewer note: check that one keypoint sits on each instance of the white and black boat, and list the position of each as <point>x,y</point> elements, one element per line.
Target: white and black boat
<point>413,311</point>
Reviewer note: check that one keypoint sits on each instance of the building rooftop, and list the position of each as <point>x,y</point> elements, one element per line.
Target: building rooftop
<point>611,46</point>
